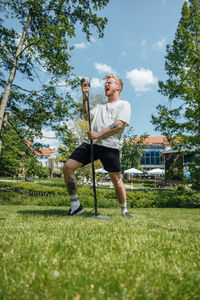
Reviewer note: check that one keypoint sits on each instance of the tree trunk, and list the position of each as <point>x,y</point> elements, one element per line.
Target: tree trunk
<point>5,121</point>
<point>7,90</point>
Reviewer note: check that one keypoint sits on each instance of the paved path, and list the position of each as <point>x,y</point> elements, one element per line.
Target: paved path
<point>109,184</point>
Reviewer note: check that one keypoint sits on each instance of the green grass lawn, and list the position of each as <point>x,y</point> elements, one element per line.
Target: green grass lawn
<point>46,255</point>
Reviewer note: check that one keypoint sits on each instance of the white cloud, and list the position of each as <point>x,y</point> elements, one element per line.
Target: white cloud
<point>92,40</point>
<point>159,45</point>
<point>142,79</point>
<point>81,45</point>
<point>85,44</point>
<point>103,68</point>
<point>96,82</point>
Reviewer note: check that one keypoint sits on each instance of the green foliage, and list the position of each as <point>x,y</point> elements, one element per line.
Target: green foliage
<point>43,172</point>
<point>182,66</point>
<point>48,27</point>
<point>56,195</point>
<point>18,158</point>
<point>14,153</point>
<point>143,182</point>
<point>194,168</point>
<point>72,134</point>
<point>181,187</point>
<point>181,118</point>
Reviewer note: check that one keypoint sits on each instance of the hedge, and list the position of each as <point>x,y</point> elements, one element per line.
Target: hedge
<point>56,195</point>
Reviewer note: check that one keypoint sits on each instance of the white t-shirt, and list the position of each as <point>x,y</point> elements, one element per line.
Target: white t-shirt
<point>103,115</point>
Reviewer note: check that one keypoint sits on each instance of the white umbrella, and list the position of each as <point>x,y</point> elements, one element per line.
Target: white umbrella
<point>101,170</point>
<point>133,171</point>
<point>156,172</point>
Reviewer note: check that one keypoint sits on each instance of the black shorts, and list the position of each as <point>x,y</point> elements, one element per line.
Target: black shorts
<point>109,157</point>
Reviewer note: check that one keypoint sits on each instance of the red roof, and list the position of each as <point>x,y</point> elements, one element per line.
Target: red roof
<point>154,140</point>
<point>44,151</point>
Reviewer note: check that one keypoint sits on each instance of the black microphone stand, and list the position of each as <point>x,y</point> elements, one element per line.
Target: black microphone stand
<point>92,157</point>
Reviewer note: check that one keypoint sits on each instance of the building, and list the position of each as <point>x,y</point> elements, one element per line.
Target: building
<point>43,156</point>
<point>153,149</point>
<point>177,160</point>
<point>48,158</point>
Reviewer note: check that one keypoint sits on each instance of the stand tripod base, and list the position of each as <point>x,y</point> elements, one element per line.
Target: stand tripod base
<point>99,218</point>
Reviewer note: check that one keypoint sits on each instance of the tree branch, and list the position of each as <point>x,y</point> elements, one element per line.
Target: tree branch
<point>29,45</point>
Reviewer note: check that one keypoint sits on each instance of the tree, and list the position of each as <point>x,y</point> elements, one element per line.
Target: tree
<point>132,149</point>
<point>14,153</point>
<point>17,157</point>
<point>32,167</point>
<point>46,28</point>
<point>42,172</point>
<point>179,118</point>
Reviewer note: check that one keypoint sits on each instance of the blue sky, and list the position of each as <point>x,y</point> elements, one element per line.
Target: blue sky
<point>134,48</point>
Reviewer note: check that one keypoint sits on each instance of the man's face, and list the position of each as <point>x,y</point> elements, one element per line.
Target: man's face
<point>110,86</point>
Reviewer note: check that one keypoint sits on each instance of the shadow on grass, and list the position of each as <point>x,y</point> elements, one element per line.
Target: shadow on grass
<point>53,212</point>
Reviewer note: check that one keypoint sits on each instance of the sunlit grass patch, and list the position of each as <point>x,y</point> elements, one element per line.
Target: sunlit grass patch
<point>46,255</point>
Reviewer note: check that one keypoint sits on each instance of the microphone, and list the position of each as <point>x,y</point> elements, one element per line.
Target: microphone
<point>85,80</point>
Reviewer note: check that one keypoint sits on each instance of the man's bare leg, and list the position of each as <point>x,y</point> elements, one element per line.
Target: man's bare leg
<point>69,169</point>
<point>120,192</point>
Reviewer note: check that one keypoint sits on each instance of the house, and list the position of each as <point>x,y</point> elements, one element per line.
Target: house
<point>48,158</point>
<point>43,156</point>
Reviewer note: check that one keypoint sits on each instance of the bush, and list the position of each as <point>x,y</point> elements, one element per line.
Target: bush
<point>145,181</point>
<point>56,195</point>
<point>181,187</point>
<point>43,172</point>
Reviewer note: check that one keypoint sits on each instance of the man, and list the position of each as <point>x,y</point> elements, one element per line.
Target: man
<point>108,122</point>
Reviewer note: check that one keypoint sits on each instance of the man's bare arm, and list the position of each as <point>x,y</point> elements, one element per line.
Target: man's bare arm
<point>112,129</point>
<point>114,125</point>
